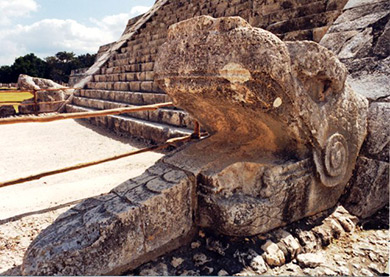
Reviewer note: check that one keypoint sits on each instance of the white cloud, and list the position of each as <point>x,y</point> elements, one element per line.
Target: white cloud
<point>15,8</point>
<point>49,36</point>
<point>117,23</point>
<point>137,10</point>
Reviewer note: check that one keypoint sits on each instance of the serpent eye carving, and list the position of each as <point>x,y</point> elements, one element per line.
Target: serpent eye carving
<point>333,162</point>
<point>336,155</point>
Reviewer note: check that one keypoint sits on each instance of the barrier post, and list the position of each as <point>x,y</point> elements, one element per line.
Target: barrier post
<point>196,133</point>
<point>36,108</point>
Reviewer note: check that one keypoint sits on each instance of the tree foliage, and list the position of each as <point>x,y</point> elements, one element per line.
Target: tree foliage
<point>57,67</point>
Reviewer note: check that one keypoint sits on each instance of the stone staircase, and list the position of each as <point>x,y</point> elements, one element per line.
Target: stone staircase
<point>127,77</point>
<point>127,80</point>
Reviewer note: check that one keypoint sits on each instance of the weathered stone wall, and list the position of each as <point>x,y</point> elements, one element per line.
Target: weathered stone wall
<point>361,39</point>
<point>76,75</point>
<point>48,101</point>
<point>128,76</point>
<point>103,49</point>
<point>131,22</point>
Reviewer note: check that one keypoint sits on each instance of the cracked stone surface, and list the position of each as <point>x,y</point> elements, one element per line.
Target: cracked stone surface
<point>360,37</point>
<point>285,127</point>
<point>117,230</point>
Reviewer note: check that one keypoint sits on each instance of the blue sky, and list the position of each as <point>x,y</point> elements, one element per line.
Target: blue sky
<point>45,27</point>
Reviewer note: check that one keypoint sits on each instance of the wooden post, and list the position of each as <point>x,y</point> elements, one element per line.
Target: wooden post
<point>196,134</point>
<point>36,107</point>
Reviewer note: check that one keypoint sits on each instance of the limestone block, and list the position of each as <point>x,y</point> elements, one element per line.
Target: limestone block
<point>26,82</point>
<point>124,86</point>
<point>131,77</point>
<point>147,66</point>
<point>147,86</point>
<point>6,111</point>
<point>357,46</point>
<point>318,33</point>
<point>382,48</point>
<point>374,86</point>
<point>258,265</point>
<point>106,94</point>
<point>273,255</point>
<point>122,77</point>
<point>336,41</point>
<point>135,86</point>
<point>361,17</point>
<point>236,80</point>
<point>287,241</point>
<point>119,97</point>
<point>377,142</point>
<point>369,189</point>
<point>149,76</point>
<point>311,260</point>
<point>347,220</point>
<point>357,3</point>
<point>139,220</point>
<point>109,85</point>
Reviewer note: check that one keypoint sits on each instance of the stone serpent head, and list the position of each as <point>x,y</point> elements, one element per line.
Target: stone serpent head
<point>285,127</point>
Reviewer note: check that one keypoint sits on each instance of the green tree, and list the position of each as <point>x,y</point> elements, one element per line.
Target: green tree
<point>30,65</point>
<point>61,65</point>
<point>86,60</point>
<point>57,67</point>
<point>6,74</point>
<point>65,57</point>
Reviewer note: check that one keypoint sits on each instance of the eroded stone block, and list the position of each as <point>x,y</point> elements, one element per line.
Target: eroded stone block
<point>117,231</point>
<point>285,127</point>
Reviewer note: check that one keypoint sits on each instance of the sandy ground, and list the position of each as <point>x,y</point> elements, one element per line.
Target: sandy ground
<point>28,149</point>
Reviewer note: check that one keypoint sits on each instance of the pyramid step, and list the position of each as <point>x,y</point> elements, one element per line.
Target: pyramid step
<point>142,86</point>
<point>125,77</point>
<point>315,7</point>
<point>129,97</point>
<point>297,35</point>
<point>128,67</point>
<point>303,23</point>
<point>128,126</point>
<point>177,118</point>
<point>140,44</point>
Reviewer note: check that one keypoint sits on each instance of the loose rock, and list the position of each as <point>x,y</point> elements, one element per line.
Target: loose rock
<point>310,260</point>
<point>273,255</point>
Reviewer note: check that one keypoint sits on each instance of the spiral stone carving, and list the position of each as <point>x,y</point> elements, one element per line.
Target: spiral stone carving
<point>336,153</point>
<point>332,164</point>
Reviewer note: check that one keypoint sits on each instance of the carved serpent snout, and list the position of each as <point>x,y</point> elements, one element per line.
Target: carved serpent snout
<point>269,105</point>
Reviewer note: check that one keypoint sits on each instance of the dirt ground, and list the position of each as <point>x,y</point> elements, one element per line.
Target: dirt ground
<point>27,149</point>
<point>363,252</point>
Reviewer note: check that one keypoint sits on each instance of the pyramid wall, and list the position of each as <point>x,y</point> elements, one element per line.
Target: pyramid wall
<point>126,77</point>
